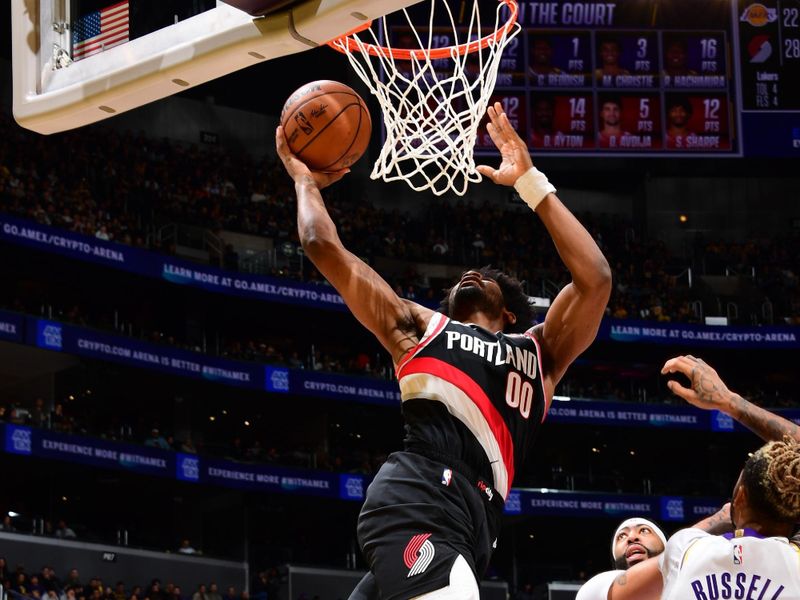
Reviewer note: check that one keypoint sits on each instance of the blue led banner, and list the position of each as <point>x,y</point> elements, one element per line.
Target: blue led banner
<point>682,334</point>
<point>183,272</point>
<point>190,468</point>
<point>28,441</point>
<point>11,326</point>
<point>175,270</point>
<point>342,387</point>
<point>547,502</point>
<point>629,414</point>
<point>62,337</point>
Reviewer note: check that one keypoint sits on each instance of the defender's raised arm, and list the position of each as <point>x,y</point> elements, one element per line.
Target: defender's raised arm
<point>708,392</point>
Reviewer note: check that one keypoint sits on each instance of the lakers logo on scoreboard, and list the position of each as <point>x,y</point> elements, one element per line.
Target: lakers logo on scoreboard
<point>759,15</point>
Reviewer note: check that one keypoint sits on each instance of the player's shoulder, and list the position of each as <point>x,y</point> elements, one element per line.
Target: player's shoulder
<point>597,587</point>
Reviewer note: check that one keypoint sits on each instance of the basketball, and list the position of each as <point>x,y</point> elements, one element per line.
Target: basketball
<point>327,125</point>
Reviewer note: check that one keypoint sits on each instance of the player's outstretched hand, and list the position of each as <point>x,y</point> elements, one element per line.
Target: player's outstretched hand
<point>297,169</point>
<point>707,390</point>
<point>516,159</point>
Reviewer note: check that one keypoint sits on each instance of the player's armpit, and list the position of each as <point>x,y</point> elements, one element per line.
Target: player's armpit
<point>642,581</point>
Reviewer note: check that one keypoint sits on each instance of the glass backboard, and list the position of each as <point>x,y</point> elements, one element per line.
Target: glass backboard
<point>76,62</point>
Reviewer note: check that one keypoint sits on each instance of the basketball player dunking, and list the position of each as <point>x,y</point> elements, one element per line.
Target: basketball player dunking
<point>476,381</point>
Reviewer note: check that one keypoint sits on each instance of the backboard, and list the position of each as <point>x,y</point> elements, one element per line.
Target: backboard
<point>61,84</point>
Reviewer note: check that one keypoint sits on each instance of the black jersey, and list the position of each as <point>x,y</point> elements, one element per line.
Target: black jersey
<point>474,395</point>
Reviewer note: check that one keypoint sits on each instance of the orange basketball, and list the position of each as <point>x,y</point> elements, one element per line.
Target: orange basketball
<point>327,125</point>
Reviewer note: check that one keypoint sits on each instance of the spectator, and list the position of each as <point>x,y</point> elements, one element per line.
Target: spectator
<point>119,591</point>
<point>156,440</point>
<point>20,583</point>
<point>186,547</point>
<point>36,589</point>
<point>49,580</point>
<point>63,531</point>
<point>230,594</point>
<point>213,592</point>
<point>155,592</point>
<point>201,593</point>
<point>73,580</point>
<point>39,415</point>
<point>7,525</point>
<point>261,586</point>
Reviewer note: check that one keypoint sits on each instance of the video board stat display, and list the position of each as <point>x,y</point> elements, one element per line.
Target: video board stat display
<point>656,77</point>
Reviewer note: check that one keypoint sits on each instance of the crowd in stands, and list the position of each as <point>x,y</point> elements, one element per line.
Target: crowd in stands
<point>244,444</point>
<point>124,187</point>
<point>19,582</point>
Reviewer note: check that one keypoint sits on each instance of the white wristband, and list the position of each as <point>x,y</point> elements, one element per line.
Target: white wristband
<point>533,187</point>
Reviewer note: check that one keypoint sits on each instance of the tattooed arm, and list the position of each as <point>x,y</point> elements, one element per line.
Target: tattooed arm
<point>718,523</point>
<point>642,581</point>
<point>708,392</point>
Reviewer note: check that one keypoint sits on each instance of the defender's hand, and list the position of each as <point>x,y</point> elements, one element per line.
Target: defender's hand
<point>708,391</point>
<point>298,170</point>
<point>516,159</point>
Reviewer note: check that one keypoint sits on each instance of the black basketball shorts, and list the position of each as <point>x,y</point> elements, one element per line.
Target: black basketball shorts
<point>418,516</point>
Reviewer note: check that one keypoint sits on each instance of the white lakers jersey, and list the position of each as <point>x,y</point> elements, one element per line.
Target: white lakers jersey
<point>740,566</point>
<point>597,587</point>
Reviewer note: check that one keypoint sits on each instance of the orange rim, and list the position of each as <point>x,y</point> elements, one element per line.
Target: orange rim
<point>433,53</point>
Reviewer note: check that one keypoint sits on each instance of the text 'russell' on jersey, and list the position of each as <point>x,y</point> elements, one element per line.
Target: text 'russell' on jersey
<point>497,353</point>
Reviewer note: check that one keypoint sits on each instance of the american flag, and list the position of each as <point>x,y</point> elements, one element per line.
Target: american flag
<point>100,30</point>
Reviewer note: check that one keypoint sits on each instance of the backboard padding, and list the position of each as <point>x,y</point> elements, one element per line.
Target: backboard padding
<point>167,61</point>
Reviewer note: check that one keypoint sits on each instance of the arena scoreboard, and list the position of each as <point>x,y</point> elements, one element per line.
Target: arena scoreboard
<point>653,77</point>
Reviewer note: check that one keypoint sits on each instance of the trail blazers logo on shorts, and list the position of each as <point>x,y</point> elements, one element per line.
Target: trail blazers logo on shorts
<point>418,554</point>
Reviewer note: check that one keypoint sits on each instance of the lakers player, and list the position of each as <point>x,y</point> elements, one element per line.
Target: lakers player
<point>634,541</point>
<point>476,381</point>
<point>758,561</point>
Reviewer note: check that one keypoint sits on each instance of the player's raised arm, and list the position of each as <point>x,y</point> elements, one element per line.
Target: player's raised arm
<point>398,324</point>
<point>573,319</point>
<point>708,392</point>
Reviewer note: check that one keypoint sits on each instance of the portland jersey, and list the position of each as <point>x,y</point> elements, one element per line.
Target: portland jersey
<point>699,566</point>
<point>474,395</point>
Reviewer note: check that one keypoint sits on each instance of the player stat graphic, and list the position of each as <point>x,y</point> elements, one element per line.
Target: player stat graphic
<point>618,78</point>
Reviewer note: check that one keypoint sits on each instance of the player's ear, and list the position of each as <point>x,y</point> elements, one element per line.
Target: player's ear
<point>739,500</point>
<point>509,318</point>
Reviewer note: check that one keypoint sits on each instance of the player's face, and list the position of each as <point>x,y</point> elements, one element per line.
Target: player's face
<point>635,544</point>
<point>610,114</point>
<point>676,56</point>
<point>609,53</point>
<point>475,293</point>
<point>678,116</point>
<point>543,114</point>
<point>542,53</point>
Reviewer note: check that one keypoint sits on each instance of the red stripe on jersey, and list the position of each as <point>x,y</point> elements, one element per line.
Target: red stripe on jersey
<point>466,384</point>
<point>408,355</point>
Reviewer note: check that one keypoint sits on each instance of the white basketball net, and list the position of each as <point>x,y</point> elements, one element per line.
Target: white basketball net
<point>432,107</point>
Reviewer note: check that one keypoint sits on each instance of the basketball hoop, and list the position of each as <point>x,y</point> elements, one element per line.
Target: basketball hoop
<point>433,98</point>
